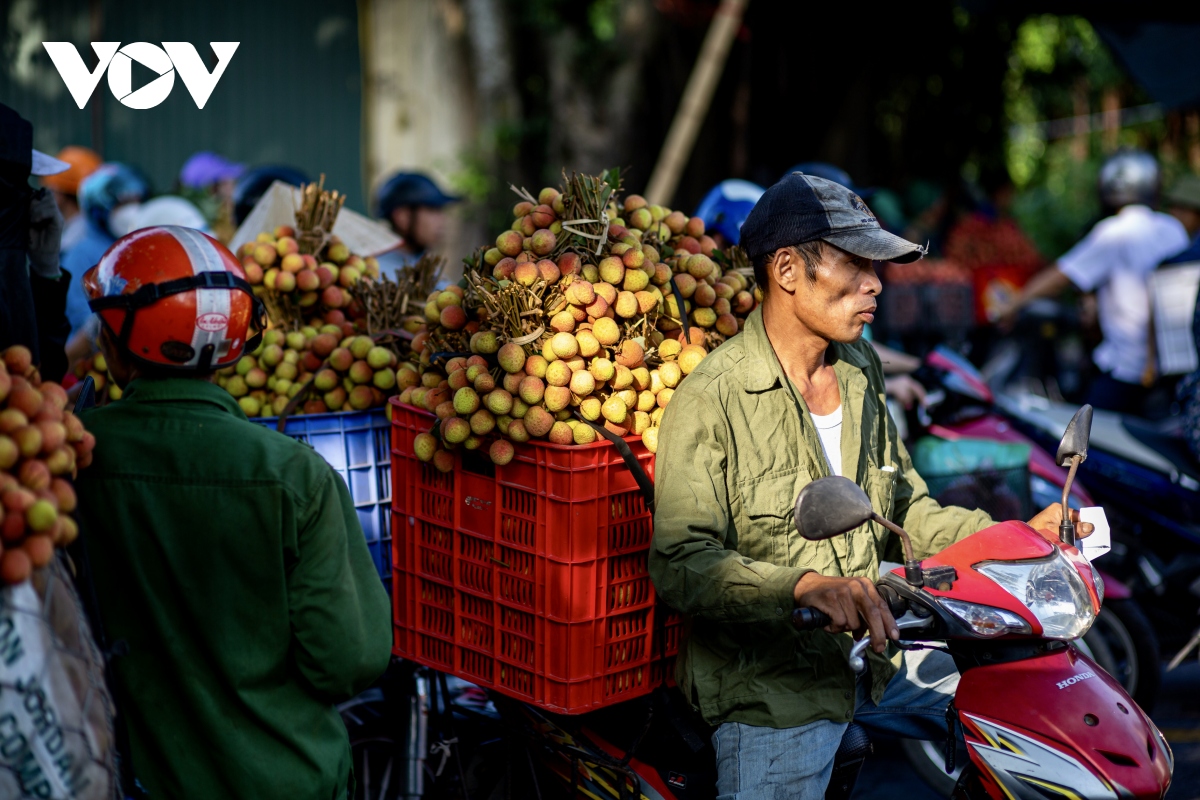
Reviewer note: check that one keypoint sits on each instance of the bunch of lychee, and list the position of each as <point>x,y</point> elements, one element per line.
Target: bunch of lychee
<point>648,249</point>
<point>42,444</point>
<point>615,306</point>
<point>347,370</point>
<point>273,261</point>
<point>550,395</point>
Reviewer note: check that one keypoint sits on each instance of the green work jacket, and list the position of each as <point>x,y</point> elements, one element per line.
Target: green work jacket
<point>229,560</point>
<point>736,447</point>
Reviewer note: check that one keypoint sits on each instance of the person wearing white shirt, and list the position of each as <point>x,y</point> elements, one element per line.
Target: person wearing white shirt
<point>1114,260</point>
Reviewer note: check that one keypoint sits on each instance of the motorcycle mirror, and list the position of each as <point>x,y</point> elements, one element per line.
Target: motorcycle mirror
<point>831,506</point>
<point>1075,439</point>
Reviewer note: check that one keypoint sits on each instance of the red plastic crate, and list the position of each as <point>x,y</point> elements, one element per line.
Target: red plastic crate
<point>668,633</point>
<point>531,578</point>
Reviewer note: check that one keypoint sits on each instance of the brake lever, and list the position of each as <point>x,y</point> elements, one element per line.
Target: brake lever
<point>909,621</point>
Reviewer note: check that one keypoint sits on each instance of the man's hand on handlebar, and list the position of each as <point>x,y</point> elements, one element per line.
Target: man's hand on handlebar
<point>852,605</point>
<point>1048,519</point>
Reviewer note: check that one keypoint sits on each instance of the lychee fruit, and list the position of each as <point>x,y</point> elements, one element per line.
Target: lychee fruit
<point>499,401</point>
<point>517,431</point>
<point>570,264</point>
<point>466,401</point>
<point>532,390</point>
<point>453,318</point>
<point>510,243</point>
<point>443,461</point>
<point>606,331</point>
<point>582,383</point>
<point>501,452</point>
<point>538,422</point>
<point>557,398</point>
<point>542,242</point>
<point>614,410</point>
<point>564,345</point>
<point>561,433</point>
<point>536,366</point>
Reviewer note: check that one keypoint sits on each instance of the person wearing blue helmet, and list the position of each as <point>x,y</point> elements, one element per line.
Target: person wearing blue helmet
<point>101,194</point>
<point>726,207</point>
<point>414,207</point>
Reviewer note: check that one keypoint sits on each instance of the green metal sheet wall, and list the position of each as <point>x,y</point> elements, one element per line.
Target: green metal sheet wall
<point>291,94</point>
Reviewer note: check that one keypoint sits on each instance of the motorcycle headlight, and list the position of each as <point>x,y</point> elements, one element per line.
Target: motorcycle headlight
<point>1050,588</point>
<point>985,620</point>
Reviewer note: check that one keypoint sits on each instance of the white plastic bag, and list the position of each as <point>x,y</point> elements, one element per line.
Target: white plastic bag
<point>56,731</point>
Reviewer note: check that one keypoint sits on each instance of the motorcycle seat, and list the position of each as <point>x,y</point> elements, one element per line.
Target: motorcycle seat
<point>1166,438</point>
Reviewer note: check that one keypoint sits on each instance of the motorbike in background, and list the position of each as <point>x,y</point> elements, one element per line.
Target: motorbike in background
<point>1148,478</point>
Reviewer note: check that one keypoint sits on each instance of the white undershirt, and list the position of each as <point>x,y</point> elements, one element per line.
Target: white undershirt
<point>829,428</point>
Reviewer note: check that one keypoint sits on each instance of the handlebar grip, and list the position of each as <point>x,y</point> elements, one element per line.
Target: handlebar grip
<point>810,619</point>
<point>896,604</point>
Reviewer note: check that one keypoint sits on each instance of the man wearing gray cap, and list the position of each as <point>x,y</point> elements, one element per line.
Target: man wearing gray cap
<point>795,397</point>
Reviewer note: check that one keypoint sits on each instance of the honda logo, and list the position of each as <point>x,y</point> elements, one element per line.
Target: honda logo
<point>165,61</point>
<point>1074,679</point>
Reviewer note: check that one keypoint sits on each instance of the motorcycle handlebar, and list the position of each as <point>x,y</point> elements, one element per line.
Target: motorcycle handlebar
<point>811,619</point>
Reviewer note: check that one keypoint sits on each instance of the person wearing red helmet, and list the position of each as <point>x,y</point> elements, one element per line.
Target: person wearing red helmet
<point>227,558</point>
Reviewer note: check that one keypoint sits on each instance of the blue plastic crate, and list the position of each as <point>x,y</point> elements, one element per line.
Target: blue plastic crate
<point>357,444</point>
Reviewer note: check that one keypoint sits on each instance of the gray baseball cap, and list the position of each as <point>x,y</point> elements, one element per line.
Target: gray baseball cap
<point>802,208</point>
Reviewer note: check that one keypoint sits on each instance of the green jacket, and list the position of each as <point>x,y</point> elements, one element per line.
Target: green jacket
<point>737,446</point>
<point>230,561</point>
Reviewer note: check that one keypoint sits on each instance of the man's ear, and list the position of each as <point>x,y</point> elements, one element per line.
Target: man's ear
<point>785,268</point>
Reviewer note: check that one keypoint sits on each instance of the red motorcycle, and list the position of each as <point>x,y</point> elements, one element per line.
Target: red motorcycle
<point>1039,718</point>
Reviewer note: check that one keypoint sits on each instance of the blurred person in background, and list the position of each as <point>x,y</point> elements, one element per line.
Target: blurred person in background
<point>65,186</point>
<point>415,209</point>
<point>101,195</point>
<point>208,180</point>
<point>1114,260</point>
<point>255,182</point>
<point>32,286</point>
<point>165,210</point>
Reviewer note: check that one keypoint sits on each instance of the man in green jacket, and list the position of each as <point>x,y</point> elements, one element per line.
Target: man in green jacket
<point>795,397</point>
<point>229,564</point>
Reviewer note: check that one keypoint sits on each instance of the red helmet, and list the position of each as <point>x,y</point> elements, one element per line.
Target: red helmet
<point>174,297</point>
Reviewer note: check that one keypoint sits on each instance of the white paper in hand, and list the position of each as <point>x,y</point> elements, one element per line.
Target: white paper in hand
<point>1099,542</point>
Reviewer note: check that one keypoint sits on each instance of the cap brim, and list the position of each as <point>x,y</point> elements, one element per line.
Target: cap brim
<point>43,166</point>
<point>877,245</point>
